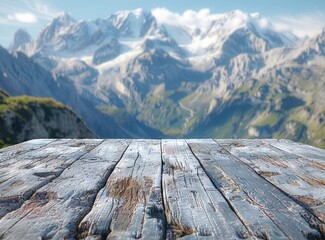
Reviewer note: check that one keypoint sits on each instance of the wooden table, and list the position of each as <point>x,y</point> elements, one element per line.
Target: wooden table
<point>162,189</point>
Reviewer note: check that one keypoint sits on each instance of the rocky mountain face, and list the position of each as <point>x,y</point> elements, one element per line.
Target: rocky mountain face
<point>229,75</point>
<point>21,39</point>
<point>21,75</point>
<point>23,118</point>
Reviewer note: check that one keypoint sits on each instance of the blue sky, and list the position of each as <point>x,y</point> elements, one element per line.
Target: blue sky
<point>303,16</point>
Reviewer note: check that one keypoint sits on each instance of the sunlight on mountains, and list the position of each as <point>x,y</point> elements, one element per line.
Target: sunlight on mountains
<point>157,73</point>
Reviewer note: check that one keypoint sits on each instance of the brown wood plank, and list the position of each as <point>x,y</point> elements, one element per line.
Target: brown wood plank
<point>56,209</point>
<point>130,205</point>
<point>195,209</point>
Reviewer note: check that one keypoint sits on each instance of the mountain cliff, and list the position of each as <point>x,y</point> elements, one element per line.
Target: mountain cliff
<point>21,39</point>
<point>23,118</point>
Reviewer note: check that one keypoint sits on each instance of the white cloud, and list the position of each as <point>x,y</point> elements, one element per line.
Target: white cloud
<point>23,17</point>
<point>303,25</point>
<point>163,15</point>
<point>200,19</point>
<point>41,9</point>
<point>203,18</point>
<point>25,12</point>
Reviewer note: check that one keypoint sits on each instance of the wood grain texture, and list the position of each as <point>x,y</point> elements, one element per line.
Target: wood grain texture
<point>277,215</point>
<point>130,205</point>
<point>303,178</point>
<point>302,150</point>
<point>194,207</point>
<point>23,174</point>
<point>55,210</point>
<point>162,189</point>
<point>21,148</point>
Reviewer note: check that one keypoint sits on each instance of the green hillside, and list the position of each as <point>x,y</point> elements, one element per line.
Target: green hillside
<point>23,118</point>
<point>267,110</point>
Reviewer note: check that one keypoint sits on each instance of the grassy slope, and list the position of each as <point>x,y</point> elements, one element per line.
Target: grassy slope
<point>23,109</point>
<point>279,115</point>
<point>271,109</point>
<point>128,122</point>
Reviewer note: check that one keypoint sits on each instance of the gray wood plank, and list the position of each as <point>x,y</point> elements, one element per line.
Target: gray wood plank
<point>302,178</point>
<point>300,149</point>
<point>251,213</point>
<point>195,209</point>
<point>97,189</point>
<point>24,147</point>
<point>56,209</point>
<point>130,205</point>
<point>293,219</point>
<point>22,175</point>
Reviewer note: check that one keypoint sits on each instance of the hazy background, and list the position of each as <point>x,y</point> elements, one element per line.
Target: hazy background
<point>155,69</point>
<point>301,17</point>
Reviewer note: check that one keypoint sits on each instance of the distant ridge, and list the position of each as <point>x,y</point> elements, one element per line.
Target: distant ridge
<point>230,75</point>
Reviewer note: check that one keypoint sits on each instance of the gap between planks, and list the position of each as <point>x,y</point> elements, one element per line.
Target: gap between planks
<point>51,164</point>
<point>257,152</point>
<point>204,178</point>
<point>36,216</point>
<point>259,203</point>
<point>299,176</point>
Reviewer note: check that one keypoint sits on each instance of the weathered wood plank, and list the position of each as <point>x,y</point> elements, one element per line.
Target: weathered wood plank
<point>22,175</point>
<point>21,148</point>
<point>263,208</point>
<point>302,178</point>
<point>194,208</point>
<point>221,169</point>
<point>302,150</point>
<point>55,210</point>
<point>227,189</point>
<point>130,205</point>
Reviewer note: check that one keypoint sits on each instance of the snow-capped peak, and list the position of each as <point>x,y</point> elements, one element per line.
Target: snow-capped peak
<point>321,36</point>
<point>57,26</point>
<point>62,23</point>
<point>136,12</point>
<point>64,18</point>
<point>203,19</point>
<point>133,23</point>
<point>317,43</point>
<point>193,33</point>
<point>191,26</point>
<point>21,38</point>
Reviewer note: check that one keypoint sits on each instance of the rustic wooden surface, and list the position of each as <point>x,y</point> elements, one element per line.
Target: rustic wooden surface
<point>162,189</point>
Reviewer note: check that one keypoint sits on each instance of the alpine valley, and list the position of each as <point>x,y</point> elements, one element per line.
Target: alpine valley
<point>161,74</point>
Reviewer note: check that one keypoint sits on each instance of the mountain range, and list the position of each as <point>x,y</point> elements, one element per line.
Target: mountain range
<point>138,74</point>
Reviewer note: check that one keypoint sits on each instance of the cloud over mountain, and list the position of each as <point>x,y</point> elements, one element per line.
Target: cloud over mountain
<point>230,75</point>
